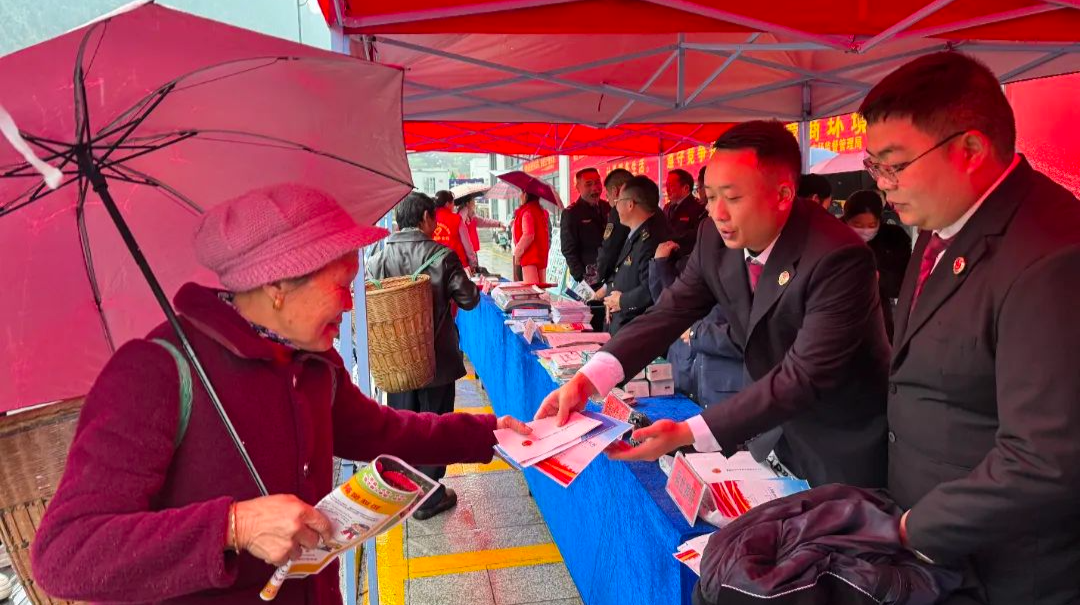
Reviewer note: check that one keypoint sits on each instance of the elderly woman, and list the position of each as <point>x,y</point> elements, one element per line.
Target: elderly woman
<point>147,512</point>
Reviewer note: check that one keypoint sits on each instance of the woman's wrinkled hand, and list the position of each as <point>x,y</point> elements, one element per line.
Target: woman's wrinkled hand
<point>276,528</point>
<point>509,422</point>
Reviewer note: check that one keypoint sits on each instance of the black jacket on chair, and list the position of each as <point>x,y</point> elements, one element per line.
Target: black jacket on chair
<point>404,253</point>
<point>832,545</point>
<point>984,400</point>
<point>813,339</point>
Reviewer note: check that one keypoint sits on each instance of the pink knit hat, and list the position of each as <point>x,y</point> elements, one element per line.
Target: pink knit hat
<point>277,232</point>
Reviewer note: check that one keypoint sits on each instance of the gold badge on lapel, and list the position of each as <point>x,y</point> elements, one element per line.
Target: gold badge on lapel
<point>784,278</point>
<point>644,235</point>
<point>607,230</point>
<point>627,263</point>
<point>958,265</point>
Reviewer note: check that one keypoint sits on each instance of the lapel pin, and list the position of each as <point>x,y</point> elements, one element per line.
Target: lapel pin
<point>784,278</point>
<point>958,265</point>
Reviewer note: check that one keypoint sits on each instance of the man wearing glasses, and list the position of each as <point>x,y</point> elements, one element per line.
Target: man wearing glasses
<point>799,290</point>
<point>984,392</point>
<point>627,294</point>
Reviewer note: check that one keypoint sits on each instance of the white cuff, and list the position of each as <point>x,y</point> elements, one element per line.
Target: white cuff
<point>703,437</point>
<point>604,372</point>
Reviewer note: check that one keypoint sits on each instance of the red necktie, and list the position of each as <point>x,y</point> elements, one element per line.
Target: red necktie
<point>754,268</point>
<point>933,250</point>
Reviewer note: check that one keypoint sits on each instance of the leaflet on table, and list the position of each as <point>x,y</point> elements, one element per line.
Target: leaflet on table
<point>715,467</point>
<point>564,467</point>
<point>729,499</point>
<point>546,439</point>
<point>375,499</point>
<point>690,552</point>
<point>549,353</point>
<point>577,338</point>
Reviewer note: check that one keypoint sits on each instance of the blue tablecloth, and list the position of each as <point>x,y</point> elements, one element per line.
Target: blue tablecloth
<point>615,525</point>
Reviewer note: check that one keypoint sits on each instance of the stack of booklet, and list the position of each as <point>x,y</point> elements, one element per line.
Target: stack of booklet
<point>570,311</point>
<point>562,366</point>
<point>732,486</point>
<point>560,452</point>
<point>508,297</point>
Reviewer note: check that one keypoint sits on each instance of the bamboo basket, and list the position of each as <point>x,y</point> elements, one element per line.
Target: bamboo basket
<point>401,338</point>
<point>33,451</point>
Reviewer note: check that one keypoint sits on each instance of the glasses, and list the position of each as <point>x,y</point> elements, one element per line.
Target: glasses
<point>620,200</point>
<point>891,172</point>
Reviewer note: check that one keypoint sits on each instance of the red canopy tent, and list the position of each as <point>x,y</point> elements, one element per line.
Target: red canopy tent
<point>519,66</point>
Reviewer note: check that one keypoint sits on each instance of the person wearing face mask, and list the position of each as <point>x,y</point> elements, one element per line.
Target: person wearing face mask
<point>799,291</point>
<point>155,509</point>
<point>890,243</point>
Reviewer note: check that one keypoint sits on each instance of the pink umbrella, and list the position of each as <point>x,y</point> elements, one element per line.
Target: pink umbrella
<point>167,114</point>
<point>529,184</point>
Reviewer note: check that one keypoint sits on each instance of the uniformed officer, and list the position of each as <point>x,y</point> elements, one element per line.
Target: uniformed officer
<point>582,228</point>
<point>615,232</point>
<point>683,211</point>
<point>627,294</point>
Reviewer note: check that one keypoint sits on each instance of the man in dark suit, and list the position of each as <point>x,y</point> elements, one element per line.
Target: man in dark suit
<point>582,228</point>
<point>684,212</point>
<point>615,232</point>
<point>627,293</point>
<point>800,294</point>
<point>984,393</point>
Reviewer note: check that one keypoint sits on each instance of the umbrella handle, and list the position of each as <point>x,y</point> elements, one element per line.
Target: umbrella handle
<point>90,170</point>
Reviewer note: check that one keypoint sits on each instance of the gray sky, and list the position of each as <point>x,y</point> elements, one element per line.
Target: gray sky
<point>27,22</point>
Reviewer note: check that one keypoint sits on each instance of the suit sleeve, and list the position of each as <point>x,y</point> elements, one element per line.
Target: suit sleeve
<point>841,295</point>
<point>641,296</point>
<point>649,336</point>
<point>568,237</point>
<point>1031,478</point>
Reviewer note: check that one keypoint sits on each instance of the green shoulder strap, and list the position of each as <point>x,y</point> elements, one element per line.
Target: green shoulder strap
<point>184,370</point>
<point>438,256</point>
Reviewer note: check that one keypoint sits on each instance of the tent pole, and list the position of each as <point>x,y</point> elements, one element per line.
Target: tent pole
<point>90,170</point>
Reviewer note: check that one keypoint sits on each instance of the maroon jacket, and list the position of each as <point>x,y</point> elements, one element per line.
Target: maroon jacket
<point>135,521</point>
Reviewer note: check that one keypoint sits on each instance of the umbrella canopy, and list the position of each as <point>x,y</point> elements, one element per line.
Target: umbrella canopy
<point>469,189</point>
<point>841,162</point>
<point>176,113</point>
<point>519,67</point>
<point>527,183</point>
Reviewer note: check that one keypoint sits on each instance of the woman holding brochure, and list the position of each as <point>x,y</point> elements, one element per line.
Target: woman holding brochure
<point>157,507</point>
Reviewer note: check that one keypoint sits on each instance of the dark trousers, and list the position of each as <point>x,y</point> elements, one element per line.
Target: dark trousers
<point>437,400</point>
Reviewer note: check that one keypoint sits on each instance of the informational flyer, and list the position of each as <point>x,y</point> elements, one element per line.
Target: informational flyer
<point>565,466</point>
<point>375,499</point>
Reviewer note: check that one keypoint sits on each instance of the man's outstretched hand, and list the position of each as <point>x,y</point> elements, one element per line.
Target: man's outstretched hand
<point>570,397</point>
<point>656,440</point>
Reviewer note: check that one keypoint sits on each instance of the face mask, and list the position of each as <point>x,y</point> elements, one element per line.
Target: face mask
<point>866,234</point>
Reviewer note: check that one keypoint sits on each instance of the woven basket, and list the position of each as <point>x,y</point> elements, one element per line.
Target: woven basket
<point>401,339</point>
<point>33,450</point>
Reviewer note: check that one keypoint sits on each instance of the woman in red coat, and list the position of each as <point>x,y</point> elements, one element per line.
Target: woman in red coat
<point>531,239</point>
<point>145,513</point>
